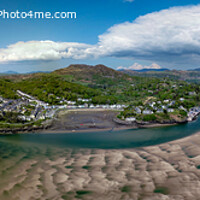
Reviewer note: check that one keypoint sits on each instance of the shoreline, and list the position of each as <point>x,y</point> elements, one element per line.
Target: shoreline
<point>111,124</point>
<point>173,166</point>
<point>49,131</point>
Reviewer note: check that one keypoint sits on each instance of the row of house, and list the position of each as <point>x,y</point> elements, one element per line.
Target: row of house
<point>156,107</point>
<point>31,109</point>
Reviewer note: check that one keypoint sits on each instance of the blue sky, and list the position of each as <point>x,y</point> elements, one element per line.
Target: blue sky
<point>94,19</point>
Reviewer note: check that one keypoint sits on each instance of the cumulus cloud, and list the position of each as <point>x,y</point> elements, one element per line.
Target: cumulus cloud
<point>43,50</point>
<point>137,66</point>
<point>169,36</point>
<point>173,32</point>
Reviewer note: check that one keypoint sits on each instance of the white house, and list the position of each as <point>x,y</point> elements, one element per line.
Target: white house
<point>147,112</point>
<point>130,119</point>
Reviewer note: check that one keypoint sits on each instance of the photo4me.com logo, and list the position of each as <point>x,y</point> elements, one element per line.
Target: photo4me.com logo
<point>36,15</point>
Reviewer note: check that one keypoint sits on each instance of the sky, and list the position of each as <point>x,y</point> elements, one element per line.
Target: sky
<point>129,34</point>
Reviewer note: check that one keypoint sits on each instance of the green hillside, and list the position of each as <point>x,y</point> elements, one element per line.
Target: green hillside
<point>99,83</point>
<point>190,76</point>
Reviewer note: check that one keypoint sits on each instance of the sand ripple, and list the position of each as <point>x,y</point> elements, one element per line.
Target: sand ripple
<point>168,171</point>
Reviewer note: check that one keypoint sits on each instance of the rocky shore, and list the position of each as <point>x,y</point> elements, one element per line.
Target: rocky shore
<point>142,124</point>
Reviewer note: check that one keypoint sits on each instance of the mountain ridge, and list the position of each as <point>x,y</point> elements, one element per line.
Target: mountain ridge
<point>145,70</point>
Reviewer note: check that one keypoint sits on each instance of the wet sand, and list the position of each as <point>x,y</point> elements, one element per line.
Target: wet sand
<point>168,171</point>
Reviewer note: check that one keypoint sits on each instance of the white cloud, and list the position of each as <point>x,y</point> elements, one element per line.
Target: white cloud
<point>137,66</point>
<point>167,36</point>
<point>172,32</point>
<point>42,50</point>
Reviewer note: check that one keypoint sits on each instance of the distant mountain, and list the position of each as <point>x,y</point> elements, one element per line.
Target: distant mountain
<point>35,72</point>
<point>103,75</point>
<point>197,69</point>
<point>9,72</point>
<point>190,76</point>
<point>147,70</point>
<point>15,73</point>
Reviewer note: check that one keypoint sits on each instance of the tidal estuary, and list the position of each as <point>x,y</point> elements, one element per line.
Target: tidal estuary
<point>156,163</point>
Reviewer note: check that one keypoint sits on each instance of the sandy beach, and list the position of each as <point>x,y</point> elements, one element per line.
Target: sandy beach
<point>169,171</point>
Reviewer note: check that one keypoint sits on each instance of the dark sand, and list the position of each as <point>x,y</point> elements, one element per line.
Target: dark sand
<point>82,120</point>
<point>90,120</point>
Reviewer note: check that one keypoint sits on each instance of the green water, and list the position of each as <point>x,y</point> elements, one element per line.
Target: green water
<point>105,140</point>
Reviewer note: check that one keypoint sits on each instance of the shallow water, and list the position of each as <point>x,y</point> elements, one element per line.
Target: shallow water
<point>107,139</point>
<point>73,165</point>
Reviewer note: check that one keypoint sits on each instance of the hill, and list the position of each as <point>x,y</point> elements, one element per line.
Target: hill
<point>49,88</point>
<point>89,73</point>
<point>100,85</point>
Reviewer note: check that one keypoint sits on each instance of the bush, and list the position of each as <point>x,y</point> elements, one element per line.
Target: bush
<point>183,113</point>
<point>151,117</point>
